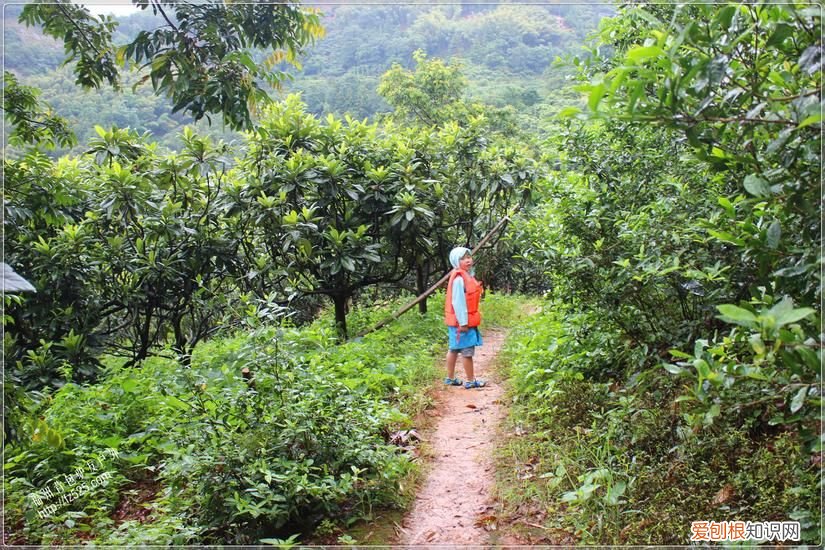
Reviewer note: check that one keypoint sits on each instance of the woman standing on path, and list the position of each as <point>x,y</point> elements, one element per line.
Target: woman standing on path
<point>462,317</point>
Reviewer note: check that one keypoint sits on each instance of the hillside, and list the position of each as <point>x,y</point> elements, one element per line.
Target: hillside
<point>507,52</point>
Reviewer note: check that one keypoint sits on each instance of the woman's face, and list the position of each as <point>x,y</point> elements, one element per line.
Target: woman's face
<point>465,263</point>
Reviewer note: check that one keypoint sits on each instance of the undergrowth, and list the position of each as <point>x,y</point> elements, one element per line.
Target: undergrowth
<point>604,453</point>
<point>268,434</point>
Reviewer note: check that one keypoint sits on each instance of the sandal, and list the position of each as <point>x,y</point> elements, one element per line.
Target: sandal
<point>474,384</point>
<point>452,382</point>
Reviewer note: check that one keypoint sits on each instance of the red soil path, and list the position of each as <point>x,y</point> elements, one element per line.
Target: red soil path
<point>455,500</point>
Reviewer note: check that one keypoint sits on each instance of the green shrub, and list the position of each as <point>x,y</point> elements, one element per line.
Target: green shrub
<point>623,461</point>
<point>233,458</point>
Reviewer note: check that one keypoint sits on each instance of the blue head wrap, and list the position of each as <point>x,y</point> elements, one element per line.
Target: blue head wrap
<point>456,254</point>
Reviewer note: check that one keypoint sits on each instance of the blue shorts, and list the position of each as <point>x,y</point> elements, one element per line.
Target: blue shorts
<point>469,339</point>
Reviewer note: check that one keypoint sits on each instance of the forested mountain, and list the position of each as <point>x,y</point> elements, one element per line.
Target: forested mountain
<point>507,52</point>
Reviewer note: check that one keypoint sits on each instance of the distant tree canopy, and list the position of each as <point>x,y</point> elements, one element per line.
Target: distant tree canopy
<point>428,95</point>
<point>200,56</point>
<point>339,74</point>
<point>33,122</point>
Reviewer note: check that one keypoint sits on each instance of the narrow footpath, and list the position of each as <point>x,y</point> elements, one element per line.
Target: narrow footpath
<point>455,499</point>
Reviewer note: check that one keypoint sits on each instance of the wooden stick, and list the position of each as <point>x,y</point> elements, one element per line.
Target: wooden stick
<point>536,525</point>
<point>433,288</point>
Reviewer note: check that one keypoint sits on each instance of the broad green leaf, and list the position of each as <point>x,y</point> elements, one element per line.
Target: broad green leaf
<point>615,492</point>
<point>792,316</point>
<point>112,441</point>
<point>799,399</point>
<point>570,496</point>
<point>726,237</point>
<point>724,17</point>
<point>54,439</point>
<point>737,315</point>
<point>673,369</point>
<point>712,413</point>
<point>811,358</point>
<point>617,77</point>
<point>755,373</point>
<point>702,368</point>
<point>726,204</point>
<point>757,186</point>
<point>596,95</point>
<point>569,112</point>
<point>719,153</point>
<point>813,119</point>
<point>643,53</point>
<point>774,234</point>
<point>757,344</point>
<point>782,32</point>
<point>129,385</point>
<point>699,347</point>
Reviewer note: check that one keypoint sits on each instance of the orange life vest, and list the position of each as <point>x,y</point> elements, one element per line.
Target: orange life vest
<point>472,293</point>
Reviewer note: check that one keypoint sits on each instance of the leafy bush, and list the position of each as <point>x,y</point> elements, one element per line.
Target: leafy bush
<point>681,247</point>
<point>610,465</point>
<point>293,446</point>
<point>233,454</point>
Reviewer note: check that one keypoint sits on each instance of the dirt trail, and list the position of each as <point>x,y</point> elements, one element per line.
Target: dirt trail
<point>456,496</point>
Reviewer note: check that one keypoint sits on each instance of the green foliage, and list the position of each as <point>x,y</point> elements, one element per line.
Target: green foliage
<point>42,208</point>
<point>123,247</point>
<point>297,447</point>
<point>428,96</point>
<point>611,465</point>
<point>770,164</point>
<point>352,204</point>
<point>233,457</point>
<point>132,250</point>
<point>764,368</point>
<point>676,234</point>
<point>87,40</point>
<point>206,70</point>
<point>508,45</point>
<point>340,72</point>
<point>434,95</point>
<point>686,219</point>
<point>759,125</point>
<point>33,122</point>
<point>134,107</point>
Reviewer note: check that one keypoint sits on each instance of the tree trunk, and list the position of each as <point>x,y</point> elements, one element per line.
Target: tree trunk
<point>340,301</point>
<point>421,285</point>
<point>144,337</point>
<point>180,347</point>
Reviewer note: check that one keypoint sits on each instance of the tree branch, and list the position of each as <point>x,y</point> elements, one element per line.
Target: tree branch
<point>159,8</point>
<point>79,30</point>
